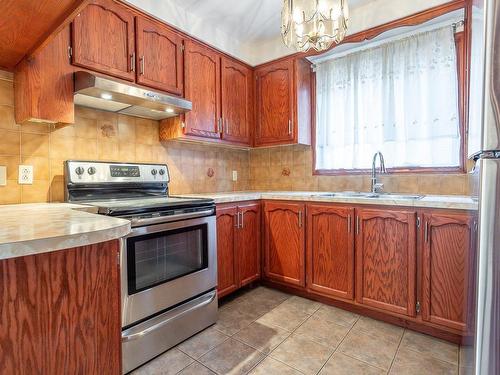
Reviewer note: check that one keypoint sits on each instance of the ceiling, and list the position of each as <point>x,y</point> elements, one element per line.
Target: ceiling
<point>249,21</point>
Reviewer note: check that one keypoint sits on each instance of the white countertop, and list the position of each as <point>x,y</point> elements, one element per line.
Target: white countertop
<point>428,201</point>
<point>28,229</point>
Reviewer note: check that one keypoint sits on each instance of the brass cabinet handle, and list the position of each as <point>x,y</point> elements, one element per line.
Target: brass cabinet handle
<point>300,219</point>
<point>349,224</point>
<point>241,223</point>
<point>290,129</point>
<point>357,224</point>
<point>237,225</point>
<point>142,65</point>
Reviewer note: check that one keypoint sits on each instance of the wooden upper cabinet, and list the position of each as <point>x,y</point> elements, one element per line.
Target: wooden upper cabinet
<point>447,269</point>
<point>236,99</point>
<point>103,39</point>
<point>227,270</point>
<point>202,88</point>
<point>283,103</point>
<point>248,243</point>
<point>284,234</point>
<point>330,250</point>
<point>159,57</point>
<point>275,102</point>
<point>386,260</point>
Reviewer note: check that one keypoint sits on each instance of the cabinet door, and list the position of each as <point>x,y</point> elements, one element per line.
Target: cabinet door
<point>159,57</point>
<point>330,250</point>
<point>248,243</point>
<point>227,272</point>
<point>447,261</point>
<point>103,39</point>
<point>236,96</point>
<point>275,101</point>
<point>386,257</point>
<point>202,88</point>
<point>284,251</point>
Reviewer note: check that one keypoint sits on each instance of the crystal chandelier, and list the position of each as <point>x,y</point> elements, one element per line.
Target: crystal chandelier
<point>314,24</point>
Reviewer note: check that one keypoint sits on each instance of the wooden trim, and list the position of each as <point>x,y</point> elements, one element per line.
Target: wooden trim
<point>462,42</point>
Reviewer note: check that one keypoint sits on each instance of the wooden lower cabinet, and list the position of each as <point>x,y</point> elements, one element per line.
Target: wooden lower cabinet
<point>386,247</point>
<point>238,246</point>
<point>330,250</point>
<point>448,261</point>
<point>284,242</point>
<point>60,312</point>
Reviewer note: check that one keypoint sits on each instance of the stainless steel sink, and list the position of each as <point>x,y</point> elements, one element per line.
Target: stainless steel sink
<point>361,194</point>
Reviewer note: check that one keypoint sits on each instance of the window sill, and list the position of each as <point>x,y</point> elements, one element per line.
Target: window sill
<point>412,170</point>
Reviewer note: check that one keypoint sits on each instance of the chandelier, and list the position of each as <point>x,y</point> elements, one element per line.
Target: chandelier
<point>314,24</point>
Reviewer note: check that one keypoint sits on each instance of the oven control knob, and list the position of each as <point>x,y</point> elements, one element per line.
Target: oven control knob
<point>154,172</point>
<point>91,170</point>
<point>162,172</point>
<point>79,171</point>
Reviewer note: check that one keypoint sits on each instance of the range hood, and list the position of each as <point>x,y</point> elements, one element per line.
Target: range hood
<point>105,94</point>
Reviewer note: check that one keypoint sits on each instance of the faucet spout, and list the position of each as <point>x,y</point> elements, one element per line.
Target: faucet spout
<point>376,186</point>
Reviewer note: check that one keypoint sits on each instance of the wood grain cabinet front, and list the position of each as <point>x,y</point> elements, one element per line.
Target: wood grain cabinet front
<point>159,59</point>
<point>330,250</point>
<point>283,103</point>
<point>284,242</point>
<point>386,246</point>
<point>238,246</point>
<point>448,264</point>
<point>103,39</point>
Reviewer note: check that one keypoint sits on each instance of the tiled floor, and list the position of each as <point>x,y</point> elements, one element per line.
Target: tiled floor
<point>265,331</point>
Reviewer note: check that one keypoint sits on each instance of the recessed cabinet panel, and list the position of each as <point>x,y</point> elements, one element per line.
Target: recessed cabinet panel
<point>159,58</point>
<point>330,250</point>
<point>447,264</point>
<point>386,247</point>
<point>248,243</point>
<point>202,88</point>
<point>227,272</point>
<point>284,247</point>
<point>103,39</point>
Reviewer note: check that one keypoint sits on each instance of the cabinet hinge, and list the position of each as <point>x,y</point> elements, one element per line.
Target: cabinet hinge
<point>417,307</point>
<point>182,47</point>
<point>418,222</point>
<point>118,258</point>
<point>183,125</point>
<point>70,52</point>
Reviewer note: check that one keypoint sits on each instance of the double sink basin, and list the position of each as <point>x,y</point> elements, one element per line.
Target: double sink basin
<point>369,195</point>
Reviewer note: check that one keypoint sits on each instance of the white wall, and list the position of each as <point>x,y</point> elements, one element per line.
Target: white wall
<point>363,17</point>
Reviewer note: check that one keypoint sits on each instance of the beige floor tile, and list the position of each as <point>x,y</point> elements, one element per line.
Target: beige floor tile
<point>270,366</point>
<point>284,317</point>
<point>322,331</point>
<point>196,369</point>
<point>376,351</point>
<point>232,357</point>
<point>431,346</point>
<point>336,315</point>
<point>302,354</point>
<point>302,305</point>
<point>203,342</point>
<point>168,363</point>
<point>232,320</point>
<point>340,364</point>
<point>377,329</point>
<point>261,336</point>
<point>408,362</point>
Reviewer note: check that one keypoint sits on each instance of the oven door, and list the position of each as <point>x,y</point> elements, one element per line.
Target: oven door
<point>163,265</point>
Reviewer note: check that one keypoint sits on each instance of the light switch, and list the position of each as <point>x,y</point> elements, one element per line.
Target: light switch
<point>26,174</point>
<point>235,175</point>
<point>3,175</point>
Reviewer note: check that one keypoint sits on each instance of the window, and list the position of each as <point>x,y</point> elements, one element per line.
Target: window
<point>400,97</point>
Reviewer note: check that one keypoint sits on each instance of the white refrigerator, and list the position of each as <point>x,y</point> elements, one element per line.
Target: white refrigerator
<point>484,148</point>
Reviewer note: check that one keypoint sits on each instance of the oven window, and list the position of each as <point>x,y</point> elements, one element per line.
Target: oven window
<point>156,258</point>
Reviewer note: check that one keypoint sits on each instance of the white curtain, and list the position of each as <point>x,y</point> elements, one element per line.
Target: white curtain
<point>400,98</point>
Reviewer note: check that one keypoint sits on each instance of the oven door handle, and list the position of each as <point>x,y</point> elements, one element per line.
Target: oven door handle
<point>165,219</point>
<point>174,314</point>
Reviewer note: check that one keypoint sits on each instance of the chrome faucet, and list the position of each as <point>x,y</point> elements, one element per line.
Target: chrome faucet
<point>377,187</point>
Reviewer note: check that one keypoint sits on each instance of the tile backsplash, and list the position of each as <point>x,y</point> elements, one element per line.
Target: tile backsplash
<point>98,135</point>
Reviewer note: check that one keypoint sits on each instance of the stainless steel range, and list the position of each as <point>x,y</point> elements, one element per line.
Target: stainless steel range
<point>168,261</point>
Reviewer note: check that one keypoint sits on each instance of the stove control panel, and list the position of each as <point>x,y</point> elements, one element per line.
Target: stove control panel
<point>90,172</point>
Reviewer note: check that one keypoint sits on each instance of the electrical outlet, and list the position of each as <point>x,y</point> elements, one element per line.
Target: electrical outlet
<point>3,175</point>
<point>235,175</point>
<point>26,174</point>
